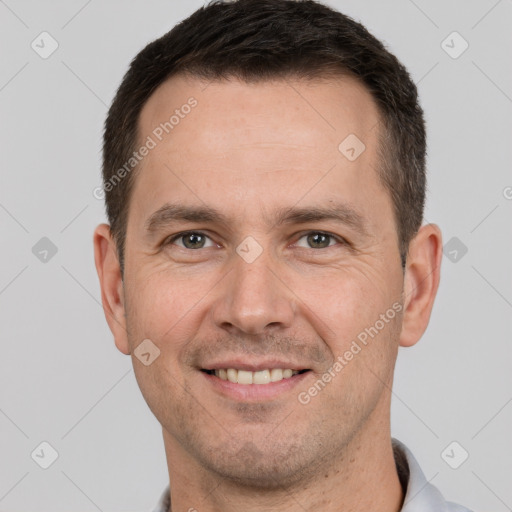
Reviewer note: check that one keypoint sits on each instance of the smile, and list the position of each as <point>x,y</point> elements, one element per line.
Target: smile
<point>260,377</point>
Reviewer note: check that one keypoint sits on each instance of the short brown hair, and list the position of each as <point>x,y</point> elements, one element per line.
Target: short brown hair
<point>258,40</point>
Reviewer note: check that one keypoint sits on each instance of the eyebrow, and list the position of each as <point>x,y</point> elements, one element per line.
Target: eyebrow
<point>171,213</point>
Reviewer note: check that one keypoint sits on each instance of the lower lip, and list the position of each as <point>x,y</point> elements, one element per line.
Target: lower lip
<point>255,392</point>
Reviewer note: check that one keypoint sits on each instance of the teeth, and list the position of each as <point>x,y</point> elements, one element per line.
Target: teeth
<point>244,377</point>
<point>261,377</point>
<point>276,374</point>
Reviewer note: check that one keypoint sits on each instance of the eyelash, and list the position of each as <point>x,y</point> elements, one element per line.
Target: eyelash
<point>170,240</point>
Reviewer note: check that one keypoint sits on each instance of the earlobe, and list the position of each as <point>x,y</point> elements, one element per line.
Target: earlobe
<point>112,288</point>
<point>421,282</point>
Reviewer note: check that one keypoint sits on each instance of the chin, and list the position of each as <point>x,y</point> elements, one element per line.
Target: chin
<point>264,466</point>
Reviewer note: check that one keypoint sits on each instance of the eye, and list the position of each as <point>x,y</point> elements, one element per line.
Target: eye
<point>190,240</point>
<point>196,240</point>
<point>320,240</point>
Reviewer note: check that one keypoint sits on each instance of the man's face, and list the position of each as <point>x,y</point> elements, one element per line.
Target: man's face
<point>253,293</point>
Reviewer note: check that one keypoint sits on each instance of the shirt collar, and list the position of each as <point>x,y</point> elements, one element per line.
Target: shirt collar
<point>420,495</point>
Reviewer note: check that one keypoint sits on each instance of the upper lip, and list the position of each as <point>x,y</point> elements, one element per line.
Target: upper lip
<point>255,366</point>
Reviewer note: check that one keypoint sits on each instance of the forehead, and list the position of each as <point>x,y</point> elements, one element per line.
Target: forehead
<point>234,145</point>
<point>305,112</point>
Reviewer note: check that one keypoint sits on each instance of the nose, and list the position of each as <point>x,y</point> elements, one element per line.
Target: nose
<point>254,298</point>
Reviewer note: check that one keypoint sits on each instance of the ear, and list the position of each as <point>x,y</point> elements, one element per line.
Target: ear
<point>112,296</point>
<point>422,275</point>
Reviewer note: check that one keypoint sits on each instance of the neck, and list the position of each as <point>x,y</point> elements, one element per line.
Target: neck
<point>363,477</point>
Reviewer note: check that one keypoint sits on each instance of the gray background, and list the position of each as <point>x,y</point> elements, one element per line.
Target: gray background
<point>61,378</point>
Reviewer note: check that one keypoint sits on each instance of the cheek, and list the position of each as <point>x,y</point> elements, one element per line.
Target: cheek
<point>346,302</point>
<point>348,308</point>
<point>161,306</point>
<point>159,310</point>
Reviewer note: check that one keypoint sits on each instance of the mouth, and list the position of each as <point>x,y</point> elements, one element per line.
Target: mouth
<point>260,377</point>
<point>245,380</point>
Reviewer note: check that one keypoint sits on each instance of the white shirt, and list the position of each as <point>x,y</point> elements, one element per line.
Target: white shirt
<point>421,496</point>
